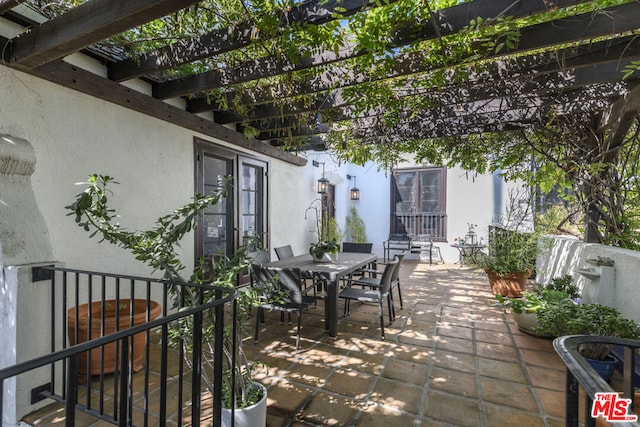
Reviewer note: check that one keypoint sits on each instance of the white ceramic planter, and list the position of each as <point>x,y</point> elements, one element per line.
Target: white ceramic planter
<point>527,323</point>
<point>251,416</point>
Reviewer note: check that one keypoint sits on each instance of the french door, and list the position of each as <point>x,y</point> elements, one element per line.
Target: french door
<point>243,213</point>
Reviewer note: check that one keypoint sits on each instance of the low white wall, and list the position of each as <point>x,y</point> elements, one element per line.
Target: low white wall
<point>616,286</point>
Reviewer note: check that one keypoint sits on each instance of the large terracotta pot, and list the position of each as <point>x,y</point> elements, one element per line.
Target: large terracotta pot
<point>110,326</point>
<point>508,285</point>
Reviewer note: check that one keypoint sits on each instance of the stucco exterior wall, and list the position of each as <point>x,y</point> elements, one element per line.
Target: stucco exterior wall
<point>616,286</point>
<point>74,135</point>
<point>470,199</point>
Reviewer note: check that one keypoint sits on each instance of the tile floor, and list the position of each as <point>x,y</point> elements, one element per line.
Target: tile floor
<point>451,358</point>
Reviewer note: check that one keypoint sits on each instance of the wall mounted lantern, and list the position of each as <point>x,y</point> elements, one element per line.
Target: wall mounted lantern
<point>355,191</point>
<point>323,183</point>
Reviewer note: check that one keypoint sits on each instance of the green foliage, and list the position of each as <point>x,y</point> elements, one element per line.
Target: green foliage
<point>630,69</point>
<point>558,290</point>
<point>513,241</point>
<point>569,318</point>
<point>532,302</point>
<point>331,231</point>
<point>564,284</point>
<point>157,248</point>
<point>355,228</point>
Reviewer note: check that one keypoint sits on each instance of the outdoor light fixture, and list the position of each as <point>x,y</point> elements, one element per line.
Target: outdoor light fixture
<point>355,191</point>
<point>323,183</point>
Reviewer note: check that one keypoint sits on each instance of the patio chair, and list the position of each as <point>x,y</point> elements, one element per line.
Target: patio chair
<point>310,281</point>
<point>378,295</point>
<point>285,280</point>
<point>284,252</point>
<point>363,248</point>
<point>375,281</point>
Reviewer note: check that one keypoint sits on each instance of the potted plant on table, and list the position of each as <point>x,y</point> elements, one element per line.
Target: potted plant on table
<point>157,248</point>
<point>328,233</point>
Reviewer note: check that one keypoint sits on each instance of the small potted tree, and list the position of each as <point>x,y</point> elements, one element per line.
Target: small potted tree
<point>355,228</point>
<point>157,248</point>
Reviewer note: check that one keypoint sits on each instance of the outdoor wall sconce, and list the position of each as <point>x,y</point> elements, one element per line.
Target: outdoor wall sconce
<point>355,191</point>
<point>323,183</point>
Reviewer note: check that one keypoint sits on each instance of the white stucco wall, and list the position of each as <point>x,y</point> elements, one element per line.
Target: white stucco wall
<point>470,198</point>
<point>616,286</point>
<point>74,135</point>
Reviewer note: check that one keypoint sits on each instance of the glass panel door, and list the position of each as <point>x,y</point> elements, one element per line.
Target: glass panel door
<point>216,233</point>
<point>243,213</point>
<point>252,201</point>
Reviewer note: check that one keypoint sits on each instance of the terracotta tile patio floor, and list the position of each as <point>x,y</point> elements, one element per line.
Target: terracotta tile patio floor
<point>451,358</point>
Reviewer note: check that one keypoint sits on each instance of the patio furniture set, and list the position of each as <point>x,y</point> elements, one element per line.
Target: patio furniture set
<point>350,275</point>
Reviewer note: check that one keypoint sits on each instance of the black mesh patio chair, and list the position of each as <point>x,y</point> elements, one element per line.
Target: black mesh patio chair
<point>364,248</point>
<point>282,289</point>
<point>284,252</point>
<point>377,295</point>
<point>375,281</point>
<point>310,281</point>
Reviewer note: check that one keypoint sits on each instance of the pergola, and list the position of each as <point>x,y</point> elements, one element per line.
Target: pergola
<point>526,61</point>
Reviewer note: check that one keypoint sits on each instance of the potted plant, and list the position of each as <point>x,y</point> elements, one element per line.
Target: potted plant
<point>328,233</point>
<point>571,318</point>
<point>118,315</point>
<point>513,244</point>
<point>525,309</point>
<point>157,248</point>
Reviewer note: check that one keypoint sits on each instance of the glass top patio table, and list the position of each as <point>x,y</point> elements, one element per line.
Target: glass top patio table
<point>345,263</point>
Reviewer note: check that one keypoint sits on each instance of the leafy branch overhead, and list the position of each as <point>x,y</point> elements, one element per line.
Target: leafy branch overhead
<point>291,73</point>
<point>487,85</point>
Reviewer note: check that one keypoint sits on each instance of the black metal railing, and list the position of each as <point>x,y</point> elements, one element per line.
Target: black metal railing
<point>580,374</point>
<point>421,224</point>
<point>148,369</point>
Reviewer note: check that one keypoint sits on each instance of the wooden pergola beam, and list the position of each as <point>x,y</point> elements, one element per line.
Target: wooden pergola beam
<point>450,21</point>
<point>625,17</point>
<point>6,5</point>
<point>620,116</point>
<point>510,112</point>
<point>609,69</point>
<point>314,12</point>
<point>86,82</point>
<point>83,26</point>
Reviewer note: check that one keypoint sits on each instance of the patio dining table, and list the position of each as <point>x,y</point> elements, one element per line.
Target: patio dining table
<point>344,264</point>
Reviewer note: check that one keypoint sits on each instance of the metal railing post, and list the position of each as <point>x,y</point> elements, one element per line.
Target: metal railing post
<point>218,363</point>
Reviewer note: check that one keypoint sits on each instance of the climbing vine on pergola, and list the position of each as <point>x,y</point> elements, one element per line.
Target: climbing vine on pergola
<point>368,79</point>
